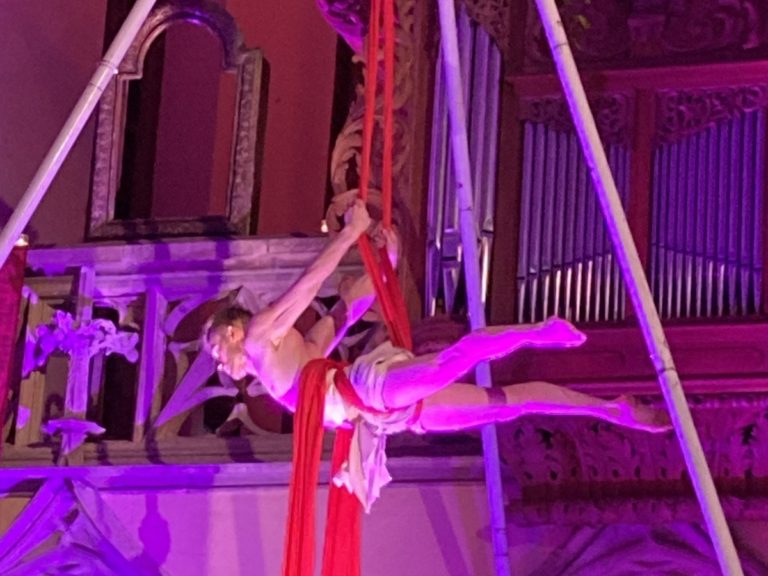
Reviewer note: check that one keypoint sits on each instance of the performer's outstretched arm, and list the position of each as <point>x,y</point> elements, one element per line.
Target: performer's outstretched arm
<point>356,298</point>
<point>278,318</point>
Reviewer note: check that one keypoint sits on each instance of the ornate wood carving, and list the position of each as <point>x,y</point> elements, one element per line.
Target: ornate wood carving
<point>579,469</point>
<point>413,67</point>
<point>679,548</point>
<point>597,31</point>
<point>346,154</point>
<point>164,291</point>
<point>682,113</point>
<point>613,114</point>
<point>249,67</point>
<point>605,31</point>
<point>66,335</point>
<point>349,18</point>
<point>494,17</point>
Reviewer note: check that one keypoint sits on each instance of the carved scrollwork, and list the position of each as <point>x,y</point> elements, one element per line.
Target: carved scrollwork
<point>597,31</point>
<point>250,68</point>
<point>613,114</point>
<point>570,469</point>
<point>602,31</point>
<point>494,17</point>
<point>66,335</point>
<point>681,113</point>
<point>712,25</point>
<point>680,548</point>
<point>346,155</point>
<point>349,18</point>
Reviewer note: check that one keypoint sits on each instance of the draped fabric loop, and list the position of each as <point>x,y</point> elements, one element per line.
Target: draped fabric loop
<point>341,551</point>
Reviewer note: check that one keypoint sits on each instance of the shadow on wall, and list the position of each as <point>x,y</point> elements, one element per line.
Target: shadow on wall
<point>451,544</point>
<point>154,533</point>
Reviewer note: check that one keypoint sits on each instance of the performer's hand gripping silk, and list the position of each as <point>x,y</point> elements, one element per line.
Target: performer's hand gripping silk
<point>390,390</point>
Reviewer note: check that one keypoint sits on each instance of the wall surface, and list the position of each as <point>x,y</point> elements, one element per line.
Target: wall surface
<point>435,529</point>
<point>48,51</point>
<point>301,50</point>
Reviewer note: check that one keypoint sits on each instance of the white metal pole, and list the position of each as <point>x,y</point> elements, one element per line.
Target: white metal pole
<point>639,291</point>
<point>469,239</point>
<point>73,127</point>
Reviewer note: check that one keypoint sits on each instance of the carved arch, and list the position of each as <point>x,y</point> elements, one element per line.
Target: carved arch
<point>250,68</point>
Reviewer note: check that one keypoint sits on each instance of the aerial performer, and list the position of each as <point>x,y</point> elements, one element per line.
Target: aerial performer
<point>389,390</point>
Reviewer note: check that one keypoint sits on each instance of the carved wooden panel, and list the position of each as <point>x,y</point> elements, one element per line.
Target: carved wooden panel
<point>637,550</point>
<point>577,470</point>
<point>159,294</point>
<point>608,32</point>
<point>68,529</point>
<point>682,113</point>
<point>613,115</point>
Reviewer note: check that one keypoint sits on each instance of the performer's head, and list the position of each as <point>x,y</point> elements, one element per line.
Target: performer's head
<point>224,339</point>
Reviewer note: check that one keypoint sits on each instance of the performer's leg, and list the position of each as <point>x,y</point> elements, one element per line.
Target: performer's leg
<point>462,406</point>
<point>408,382</point>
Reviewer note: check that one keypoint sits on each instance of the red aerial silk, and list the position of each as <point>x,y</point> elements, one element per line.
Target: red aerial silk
<point>11,284</point>
<point>341,555</point>
<point>341,552</point>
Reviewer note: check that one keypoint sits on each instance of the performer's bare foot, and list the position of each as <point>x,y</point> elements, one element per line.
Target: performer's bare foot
<point>494,342</point>
<point>559,333</point>
<point>641,417</point>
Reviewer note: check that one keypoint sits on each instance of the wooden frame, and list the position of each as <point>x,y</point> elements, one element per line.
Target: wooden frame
<point>249,124</point>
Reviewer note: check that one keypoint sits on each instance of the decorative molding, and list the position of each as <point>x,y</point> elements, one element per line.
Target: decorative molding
<point>637,550</point>
<point>349,18</point>
<point>163,289</point>
<point>250,68</point>
<point>572,470</point>
<point>65,335</point>
<point>710,357</point>
<point>347,151</point>
<point>205,13</point>
<point>73,433</point>
<point>604,31</point>
<point>67,529</point>
<point>597,31</point>
<point>494,17</point>
<point>682,113</point>
<point>613,114</point>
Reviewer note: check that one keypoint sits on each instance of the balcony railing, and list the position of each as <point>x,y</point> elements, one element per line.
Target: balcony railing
<point>111,347</point>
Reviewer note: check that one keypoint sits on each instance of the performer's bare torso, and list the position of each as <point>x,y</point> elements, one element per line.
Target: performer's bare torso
<point>278,362</point>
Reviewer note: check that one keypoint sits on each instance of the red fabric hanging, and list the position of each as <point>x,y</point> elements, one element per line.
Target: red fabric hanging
<point>11,284</point>
<point>384,278</point>
<point>341,552</point>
